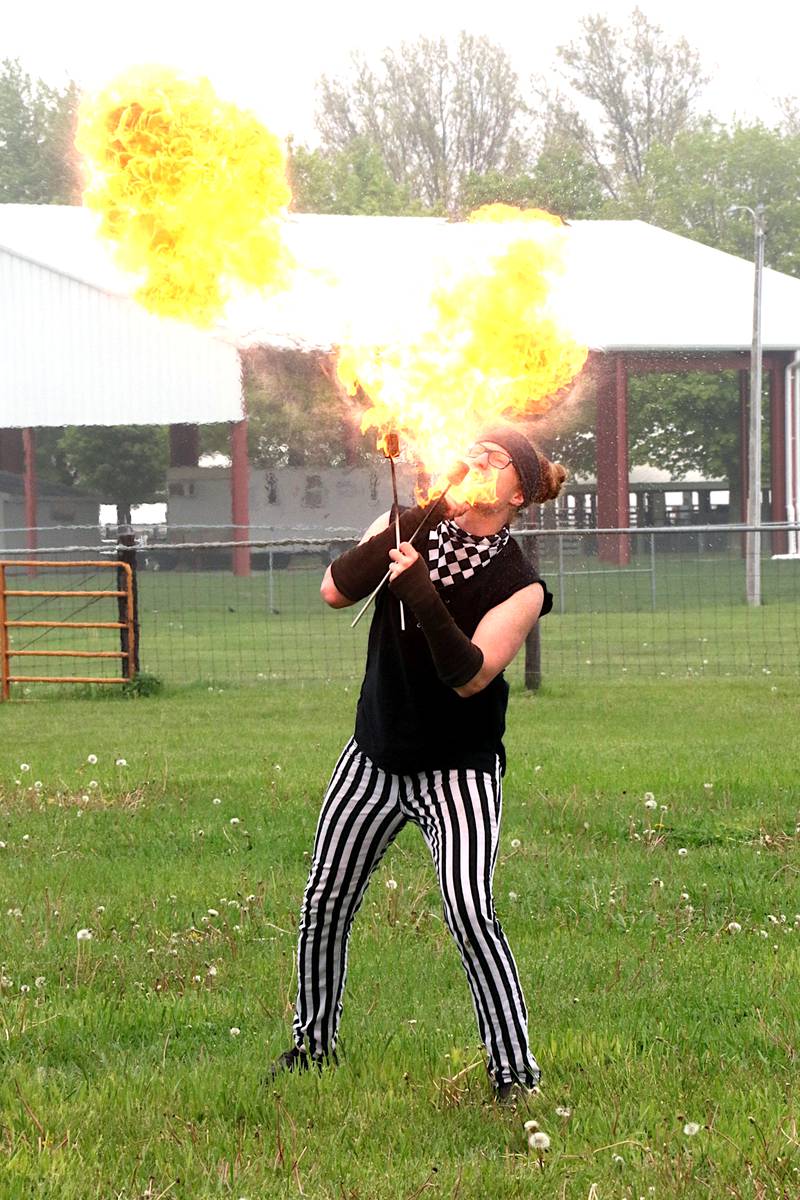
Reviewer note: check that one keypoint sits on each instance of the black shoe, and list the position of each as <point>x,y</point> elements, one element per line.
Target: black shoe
<point>295,1059</point>
<point>510,1092</point>
<point>298,1059</point>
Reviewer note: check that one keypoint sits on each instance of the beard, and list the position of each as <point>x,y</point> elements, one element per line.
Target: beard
<point>488,508</point>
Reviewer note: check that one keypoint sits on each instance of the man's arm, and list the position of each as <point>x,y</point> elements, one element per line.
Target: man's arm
<point>328,589</point>
<point>465,664</point>
<point>500,634</point>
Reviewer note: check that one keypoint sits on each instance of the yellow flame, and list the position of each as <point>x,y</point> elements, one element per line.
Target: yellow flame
<point>492,351</point>
<point>191,190</point>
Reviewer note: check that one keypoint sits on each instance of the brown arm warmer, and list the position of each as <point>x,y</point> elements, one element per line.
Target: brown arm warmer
<point>456,658</point>
<point>359,570</point>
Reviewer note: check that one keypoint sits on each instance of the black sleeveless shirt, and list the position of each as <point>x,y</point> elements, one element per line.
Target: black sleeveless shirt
<point>407,720</point>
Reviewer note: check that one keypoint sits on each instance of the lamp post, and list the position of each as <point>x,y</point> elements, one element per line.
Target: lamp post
<point>753,552</point>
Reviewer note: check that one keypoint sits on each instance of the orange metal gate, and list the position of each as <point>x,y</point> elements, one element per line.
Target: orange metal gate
<point>6,653</point>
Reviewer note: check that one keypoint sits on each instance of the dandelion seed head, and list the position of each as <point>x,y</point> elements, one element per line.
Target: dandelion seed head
<point>235,1031</point>
<point>682,852</point>
<point>24,767</point>
<point>84,935</point>
<point>515,843</point>
<point>391,884</point>
<point>121,762</point>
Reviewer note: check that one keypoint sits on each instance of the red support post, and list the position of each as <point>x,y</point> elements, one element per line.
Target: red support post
<point>240,505</point>
<point>777,455</point>
<point>31,519</point>
<point>612,462</point>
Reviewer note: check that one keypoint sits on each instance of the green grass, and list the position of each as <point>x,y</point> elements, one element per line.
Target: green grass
<point>210,626</point>
<point>119,1076</point>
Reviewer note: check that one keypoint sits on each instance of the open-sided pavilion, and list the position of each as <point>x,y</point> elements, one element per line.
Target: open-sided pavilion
<point>78,350</point>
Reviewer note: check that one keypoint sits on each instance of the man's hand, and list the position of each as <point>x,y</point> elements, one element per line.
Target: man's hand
<point>402,559</point>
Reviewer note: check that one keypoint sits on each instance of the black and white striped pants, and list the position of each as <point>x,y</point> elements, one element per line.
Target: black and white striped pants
<point>458,813</point>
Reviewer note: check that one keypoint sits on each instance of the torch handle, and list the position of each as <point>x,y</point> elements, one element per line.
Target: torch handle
<point>397,534</point>
<point>374,593</point>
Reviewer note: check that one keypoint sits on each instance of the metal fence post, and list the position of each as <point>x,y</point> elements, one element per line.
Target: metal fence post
<point>653,570</point>
<point>562,603</point>
<point>126,553</point>
<point>533,642</point>
<point>271,586</point>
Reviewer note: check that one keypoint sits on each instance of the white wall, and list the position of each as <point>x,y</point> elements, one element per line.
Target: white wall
<point>287,500</point>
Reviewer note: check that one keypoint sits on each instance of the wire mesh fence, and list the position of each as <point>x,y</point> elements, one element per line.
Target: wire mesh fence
<point>677,607</point>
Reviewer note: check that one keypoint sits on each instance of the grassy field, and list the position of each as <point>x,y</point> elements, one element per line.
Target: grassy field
<point>132,1064</point>
<point>210,626</point>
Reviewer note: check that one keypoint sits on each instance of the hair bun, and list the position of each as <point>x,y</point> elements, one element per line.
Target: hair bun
<point>552,480</point>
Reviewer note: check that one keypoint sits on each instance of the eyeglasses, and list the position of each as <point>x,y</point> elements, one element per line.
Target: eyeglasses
<point>495,458</point>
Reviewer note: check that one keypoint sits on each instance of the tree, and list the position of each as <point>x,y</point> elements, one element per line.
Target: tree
<point>636,90</point>
<point>435,118</point>
<point>122,464</point>
<point>298,416</point>
<point>38,161</point>
<point>690,187</point>
<point>353,180</point>
<point>562,181</point>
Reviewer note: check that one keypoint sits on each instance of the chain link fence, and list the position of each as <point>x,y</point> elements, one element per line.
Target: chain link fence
<point>676,608</point>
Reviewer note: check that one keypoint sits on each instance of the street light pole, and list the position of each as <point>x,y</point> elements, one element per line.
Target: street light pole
<point>753,551</point>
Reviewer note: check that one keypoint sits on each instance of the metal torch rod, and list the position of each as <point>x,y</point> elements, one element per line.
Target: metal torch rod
<point>397,532</point>
<point>374,593</point>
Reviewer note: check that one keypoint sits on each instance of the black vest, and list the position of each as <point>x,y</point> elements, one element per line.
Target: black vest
<point>407,720</point>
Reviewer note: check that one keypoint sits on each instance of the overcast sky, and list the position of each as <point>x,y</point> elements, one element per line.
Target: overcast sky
<point>267,56</point>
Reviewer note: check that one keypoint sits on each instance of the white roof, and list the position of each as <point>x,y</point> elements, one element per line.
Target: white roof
<point>76,350</point>
<point>628,286</point>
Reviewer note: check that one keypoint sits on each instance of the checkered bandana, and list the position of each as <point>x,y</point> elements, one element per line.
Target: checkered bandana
<point>453,552</point>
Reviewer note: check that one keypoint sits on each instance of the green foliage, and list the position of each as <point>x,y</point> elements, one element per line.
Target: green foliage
<point>435,116</point>
<point>640,92</point>
<point>142,684</point>
<point>122,464</point>
<point>38,161</point>
<point>351,180</point>
<point>689,187</point>
<point>297,415</point>
<point>561,181</point>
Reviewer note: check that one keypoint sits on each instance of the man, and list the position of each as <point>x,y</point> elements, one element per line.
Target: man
<point>428,747</point>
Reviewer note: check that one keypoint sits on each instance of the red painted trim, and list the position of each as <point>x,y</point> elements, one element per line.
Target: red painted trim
<point>612,460</point>
<point>777,455</point>
<point>240,505</point>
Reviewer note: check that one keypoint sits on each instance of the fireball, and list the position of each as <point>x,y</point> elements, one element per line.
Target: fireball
<point>191,190</point>
<point>493,347</point>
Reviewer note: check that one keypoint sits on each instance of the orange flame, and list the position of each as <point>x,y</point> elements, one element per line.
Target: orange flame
<point>493,349</point>
<point>190,187</point>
